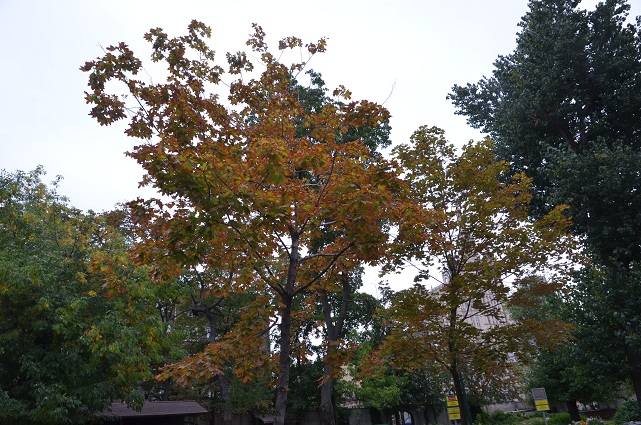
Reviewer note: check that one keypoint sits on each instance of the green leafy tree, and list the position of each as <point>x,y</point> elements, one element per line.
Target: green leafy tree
<point>564,107</point>
<point>78,324</point>
<point>305,396</point>
<point>382,394</point>
<point>421,389</point>
<point>425,391</point>
<point>575,370</point>
<point>388,392</point>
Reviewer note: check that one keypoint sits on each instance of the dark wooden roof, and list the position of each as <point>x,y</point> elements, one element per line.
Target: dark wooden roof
<point>156,408</point>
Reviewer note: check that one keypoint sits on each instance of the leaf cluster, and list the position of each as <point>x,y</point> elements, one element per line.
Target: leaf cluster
<point>256,181</point>
<point>488,253</point>
<point>564,108</point>
<point>72,337</point>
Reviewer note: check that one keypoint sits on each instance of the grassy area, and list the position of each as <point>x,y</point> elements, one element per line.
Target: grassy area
<point>532,418</point>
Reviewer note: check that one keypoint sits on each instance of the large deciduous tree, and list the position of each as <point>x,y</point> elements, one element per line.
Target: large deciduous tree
<point>565,107</point>
<point>72,339</point>
<point>487,252</point>
<point>249,192</point>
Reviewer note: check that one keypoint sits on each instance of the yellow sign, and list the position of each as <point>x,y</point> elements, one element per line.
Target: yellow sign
<point>540,399</point>
<point>541,405</point>
<point>454,413</point>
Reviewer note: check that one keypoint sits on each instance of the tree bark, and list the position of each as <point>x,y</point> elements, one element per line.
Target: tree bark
<point>333,330</point>
<point>283,363</point>
<point>286,295</point>
<point>573,410</point>
<point>634,361</point>
<point>223,383</point>
<point>433,414</point>
<point>622,279</point>
<point>458,388</point>
<point>327,416</point>
<point>376,416</point>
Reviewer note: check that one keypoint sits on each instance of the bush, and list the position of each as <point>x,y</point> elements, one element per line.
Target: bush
<point>559,419</point>
<point>482,419</point>
<point>496,418</point>
<point>628,411</point>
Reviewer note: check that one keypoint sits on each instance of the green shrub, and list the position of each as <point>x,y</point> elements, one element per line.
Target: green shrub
<point>482,418</point>
<point>496,418</point>
<point>559,419</point>
<point>627,412</point>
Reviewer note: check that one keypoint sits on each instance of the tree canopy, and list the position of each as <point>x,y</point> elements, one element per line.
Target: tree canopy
<point>565,108</point>
<point>489,254</point>
<point>249,192</point>
<point>272,195</point>
<point>72,339</point>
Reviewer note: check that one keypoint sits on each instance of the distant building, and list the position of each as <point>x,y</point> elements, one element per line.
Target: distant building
<point>477,318</point>
<point>157,413</point>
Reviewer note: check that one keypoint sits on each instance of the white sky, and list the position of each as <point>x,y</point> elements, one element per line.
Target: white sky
<point>419,47</point>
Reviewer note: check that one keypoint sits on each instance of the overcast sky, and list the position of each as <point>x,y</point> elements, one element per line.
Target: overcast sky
<point>415,50</point>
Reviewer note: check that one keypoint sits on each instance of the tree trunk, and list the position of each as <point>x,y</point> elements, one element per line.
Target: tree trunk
<point>386,417</point>
<point>573,410</point>
<point>283,363</point>
<point>224,393</point>
<point>622,277</point>
<point>376,416</point>
<point>286,297</point>
<point>634,361</point>
<point>166,388</point>
<point>434,414</point>
<point>223,382</point>
<point>458,388</point>
<point>333,331</point>
<point>327,416</point>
